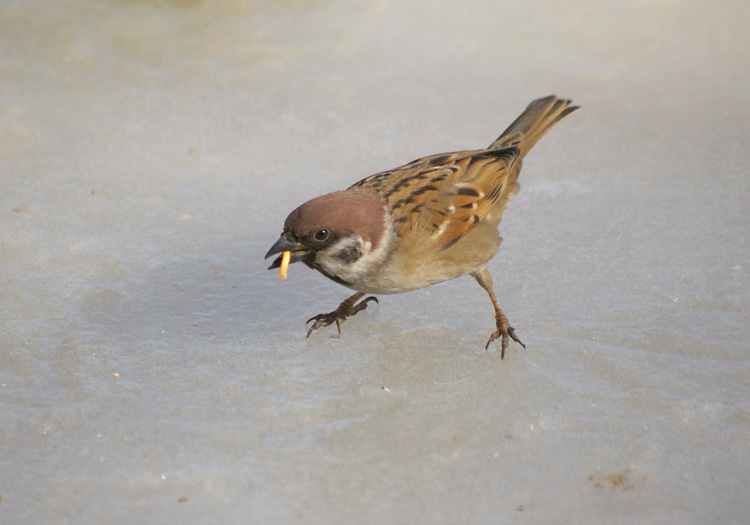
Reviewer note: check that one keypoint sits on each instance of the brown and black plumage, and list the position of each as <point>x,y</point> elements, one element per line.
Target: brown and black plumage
<point>428,221</point>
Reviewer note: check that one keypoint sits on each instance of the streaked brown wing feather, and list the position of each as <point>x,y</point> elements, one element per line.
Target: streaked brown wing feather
<point>445,196</point>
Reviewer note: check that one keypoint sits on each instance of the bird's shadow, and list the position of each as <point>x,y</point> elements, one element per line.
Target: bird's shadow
<point>222,293</point>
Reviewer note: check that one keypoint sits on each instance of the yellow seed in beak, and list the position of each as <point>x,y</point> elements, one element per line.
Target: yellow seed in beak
<point>284,263</point>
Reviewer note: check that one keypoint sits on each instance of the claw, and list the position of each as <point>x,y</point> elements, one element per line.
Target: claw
<point>363,304</point>
<point>506,334</point>
<point>322,320</point>
<point>345,310</point>
<point>504,329</point>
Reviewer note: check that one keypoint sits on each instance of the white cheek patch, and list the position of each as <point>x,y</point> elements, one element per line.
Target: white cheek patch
<point>355,260</point>
<point>344,259</point>
<point>342,255</point>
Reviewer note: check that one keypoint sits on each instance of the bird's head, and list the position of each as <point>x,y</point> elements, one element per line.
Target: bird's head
<point>336,234</point>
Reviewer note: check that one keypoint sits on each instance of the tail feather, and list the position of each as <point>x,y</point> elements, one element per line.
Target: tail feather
<point>536,120</point>
<point>515,142</point>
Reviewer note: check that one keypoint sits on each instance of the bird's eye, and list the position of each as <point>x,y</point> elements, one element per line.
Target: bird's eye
<point>322,234</point>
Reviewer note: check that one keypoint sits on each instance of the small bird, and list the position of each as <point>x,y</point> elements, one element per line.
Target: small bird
<point>426,222</point>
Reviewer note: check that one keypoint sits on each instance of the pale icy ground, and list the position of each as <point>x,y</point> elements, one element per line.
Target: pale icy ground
<point>149,153</point>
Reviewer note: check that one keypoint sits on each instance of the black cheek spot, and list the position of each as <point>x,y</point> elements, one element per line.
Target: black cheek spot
<point>350,254</point>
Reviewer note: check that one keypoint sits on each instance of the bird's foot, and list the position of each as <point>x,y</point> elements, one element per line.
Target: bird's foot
<point>339,315</point>
<point>505,331</point>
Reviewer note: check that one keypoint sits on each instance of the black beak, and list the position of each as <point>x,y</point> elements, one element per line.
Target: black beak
<point>286,244</point>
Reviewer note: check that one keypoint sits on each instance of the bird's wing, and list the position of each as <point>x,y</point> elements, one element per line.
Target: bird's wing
<point>445,196</point>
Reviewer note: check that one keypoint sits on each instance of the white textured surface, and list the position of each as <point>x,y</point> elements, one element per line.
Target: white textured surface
<point>149,153</point>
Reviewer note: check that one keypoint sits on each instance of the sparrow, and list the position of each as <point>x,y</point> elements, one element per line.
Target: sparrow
<point>428,221</point>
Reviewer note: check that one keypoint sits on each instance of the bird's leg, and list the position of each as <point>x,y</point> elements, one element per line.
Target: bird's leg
<point>504,329</point>
<point>346,309</point>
